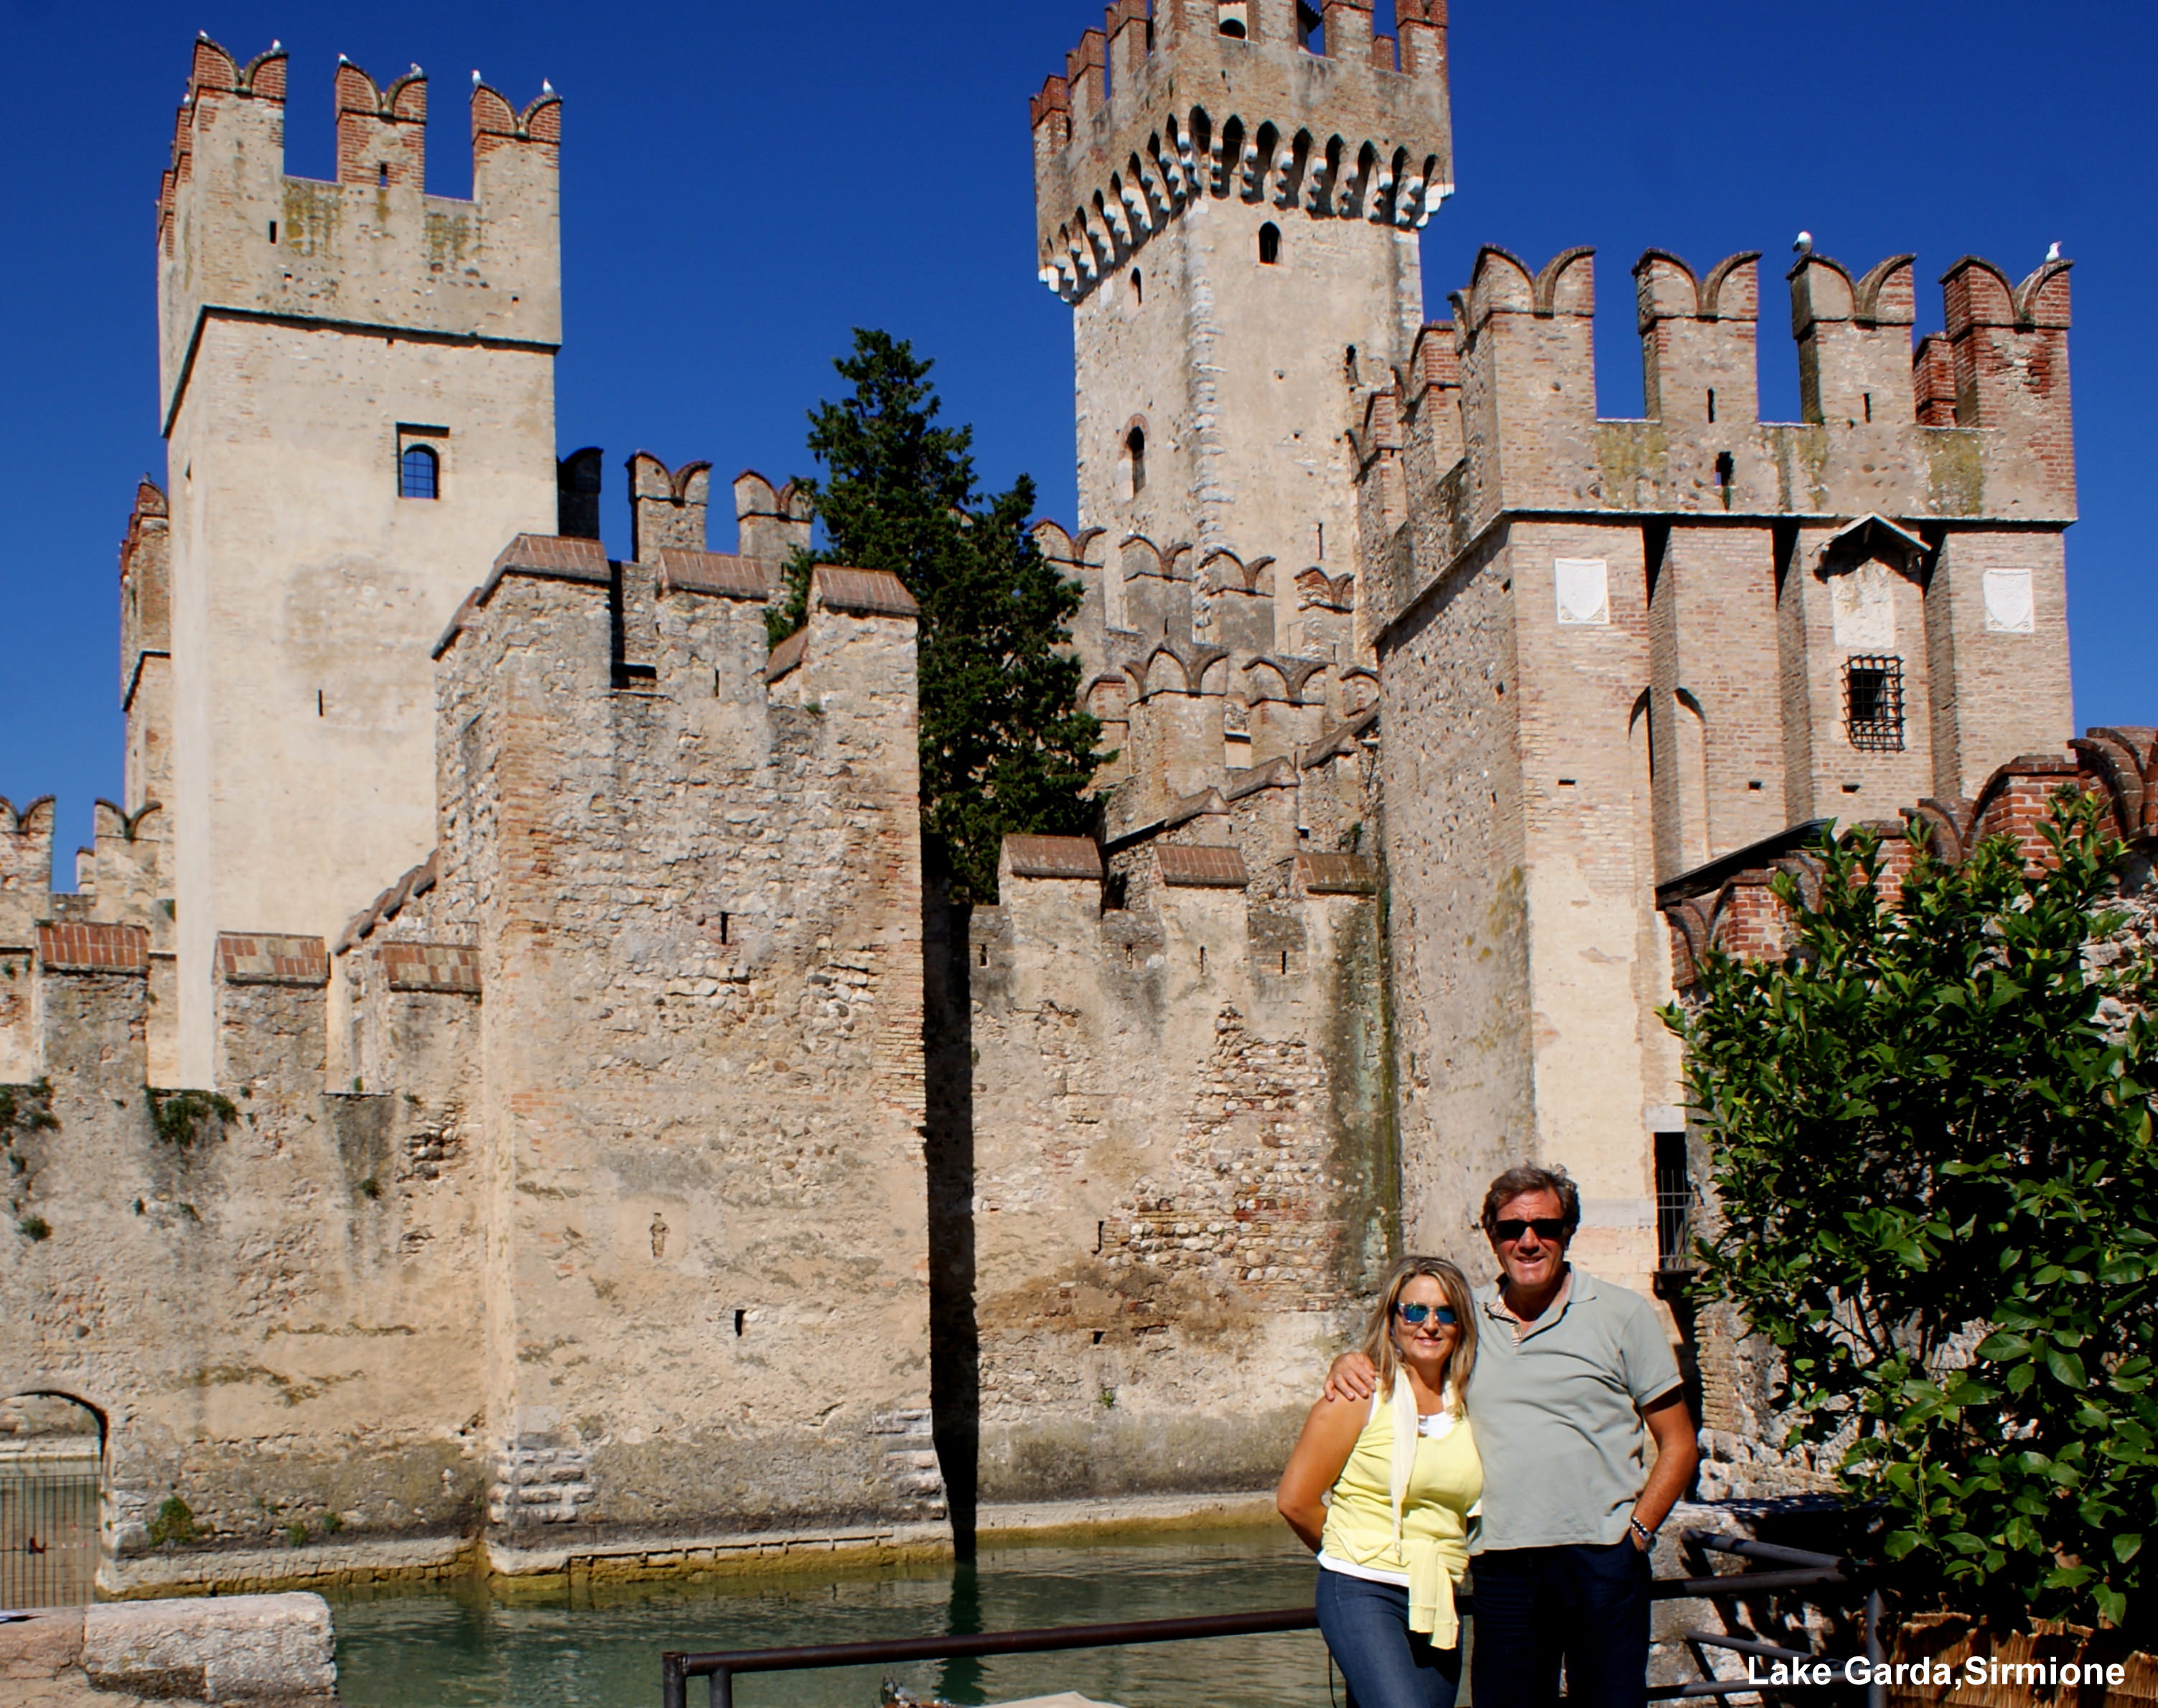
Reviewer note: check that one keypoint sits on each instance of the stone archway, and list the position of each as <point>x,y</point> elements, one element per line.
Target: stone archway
<point>52,1446</point>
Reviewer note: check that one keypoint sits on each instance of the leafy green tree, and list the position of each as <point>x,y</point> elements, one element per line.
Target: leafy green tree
<point>1931,1143</point>
<point>1004,747</point>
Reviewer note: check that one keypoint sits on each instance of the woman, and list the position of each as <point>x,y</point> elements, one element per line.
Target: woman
<point>1405,1479</point>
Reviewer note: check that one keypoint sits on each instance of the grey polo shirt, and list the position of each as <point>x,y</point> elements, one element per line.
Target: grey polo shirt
<point>1557,1414</point>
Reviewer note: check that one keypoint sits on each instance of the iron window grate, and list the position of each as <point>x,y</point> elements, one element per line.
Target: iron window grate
<point>1873,702</point>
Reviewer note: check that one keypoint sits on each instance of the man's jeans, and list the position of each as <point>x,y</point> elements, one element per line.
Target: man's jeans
<point>1584,1605</point>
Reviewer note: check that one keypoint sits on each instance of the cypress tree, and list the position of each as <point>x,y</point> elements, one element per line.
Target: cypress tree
<point>1004,747</point>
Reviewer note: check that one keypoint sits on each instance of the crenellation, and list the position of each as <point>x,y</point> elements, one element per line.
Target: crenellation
<point>579,480</point>
<point>1854,341</point>
<point>1697,339</point>
<point>381,132</point>
<point>26,870</point>
<point>667,506</point>
<point>771,525</point>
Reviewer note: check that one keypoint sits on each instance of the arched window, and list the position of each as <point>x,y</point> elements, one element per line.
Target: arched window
<point>1269,244</point>
<point>1230,19</point>
<point>419,474</point>
<point>1135,449</point>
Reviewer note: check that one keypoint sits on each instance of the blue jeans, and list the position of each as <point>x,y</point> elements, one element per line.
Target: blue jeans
<point>1384,1663</point>
<point>1586,1605</point>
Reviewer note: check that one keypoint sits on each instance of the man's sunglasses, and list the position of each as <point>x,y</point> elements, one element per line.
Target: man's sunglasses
<point>1416,1316</point>
<point>1547,1227</point>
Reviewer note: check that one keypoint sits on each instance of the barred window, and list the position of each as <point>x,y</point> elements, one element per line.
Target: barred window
<point>1873,702</point>
<point>418,472</point>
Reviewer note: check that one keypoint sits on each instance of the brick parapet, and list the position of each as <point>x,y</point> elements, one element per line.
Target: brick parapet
<point>1730,906</point>
<point>1877,439</point>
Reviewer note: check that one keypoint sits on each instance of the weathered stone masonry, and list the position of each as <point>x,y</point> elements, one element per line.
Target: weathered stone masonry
<point>662,1172</point>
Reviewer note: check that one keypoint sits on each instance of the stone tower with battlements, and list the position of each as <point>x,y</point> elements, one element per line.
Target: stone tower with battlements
<point>358,400</point>
<point>1228,193</point>
<point>1616,655</point>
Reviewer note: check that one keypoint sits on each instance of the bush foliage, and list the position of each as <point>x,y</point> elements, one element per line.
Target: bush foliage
<point>1930,1130</point>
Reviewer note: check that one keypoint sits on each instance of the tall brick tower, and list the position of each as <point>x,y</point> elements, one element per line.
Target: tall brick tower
<point>359,404</point>
<point>1228,194</point>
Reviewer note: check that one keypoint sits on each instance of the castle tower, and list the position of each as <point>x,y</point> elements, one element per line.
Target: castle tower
<point>1659,650</point>
<point>1228,193</point>
<point>358,403</point>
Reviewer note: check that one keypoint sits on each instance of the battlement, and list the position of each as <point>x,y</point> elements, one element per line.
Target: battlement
<point>667,506</point>
<point>1330,120</point>
<point>236,236</point>
<point>1973,427</point>
<point>26,870</point>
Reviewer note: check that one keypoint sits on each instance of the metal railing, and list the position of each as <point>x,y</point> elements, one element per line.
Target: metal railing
<point>1801,1570</point>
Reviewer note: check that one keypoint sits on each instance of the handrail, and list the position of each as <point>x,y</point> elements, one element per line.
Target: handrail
<point>677,1670</point>
<point>720,1666</point>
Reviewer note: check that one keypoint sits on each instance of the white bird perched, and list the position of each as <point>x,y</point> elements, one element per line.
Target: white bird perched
<point>2053,252</point>
<point>417,72</point>
<point>477,78</point>
<point>1805,245</point>
<point>545,87</point>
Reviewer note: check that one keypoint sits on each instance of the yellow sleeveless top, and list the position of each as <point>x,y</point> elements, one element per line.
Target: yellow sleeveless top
<point>1407,1512</point>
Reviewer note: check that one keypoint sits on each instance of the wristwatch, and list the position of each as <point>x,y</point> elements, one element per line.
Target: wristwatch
<point>1647,1536</point>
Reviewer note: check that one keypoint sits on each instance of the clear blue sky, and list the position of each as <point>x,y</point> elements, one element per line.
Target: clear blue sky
<point>743,183</point>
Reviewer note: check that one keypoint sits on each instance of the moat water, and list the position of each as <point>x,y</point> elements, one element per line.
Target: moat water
<point>460,1648</point>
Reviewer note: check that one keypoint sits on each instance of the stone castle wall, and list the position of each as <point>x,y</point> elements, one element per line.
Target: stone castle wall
<point>611,1107</point>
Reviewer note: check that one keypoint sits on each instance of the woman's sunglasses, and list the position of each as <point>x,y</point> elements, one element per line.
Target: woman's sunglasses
<point>1416,1316</point>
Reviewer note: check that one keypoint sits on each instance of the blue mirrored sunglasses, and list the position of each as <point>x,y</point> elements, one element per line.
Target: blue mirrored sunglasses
<point>1416,1316</point>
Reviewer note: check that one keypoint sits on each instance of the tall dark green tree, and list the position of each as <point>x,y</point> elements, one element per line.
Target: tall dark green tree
<point>1004,747</point>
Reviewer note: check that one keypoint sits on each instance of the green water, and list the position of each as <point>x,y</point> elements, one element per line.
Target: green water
<point>458,1648</point>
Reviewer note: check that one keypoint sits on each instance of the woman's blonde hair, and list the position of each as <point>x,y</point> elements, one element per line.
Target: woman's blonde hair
<point>1378,1333</point>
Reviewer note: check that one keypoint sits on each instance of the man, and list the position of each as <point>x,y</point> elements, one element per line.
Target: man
<point>1572,1377</point>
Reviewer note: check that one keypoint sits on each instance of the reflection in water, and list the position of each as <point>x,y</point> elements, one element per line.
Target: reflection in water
<point>458,1648</point>
<point>960,1678</point>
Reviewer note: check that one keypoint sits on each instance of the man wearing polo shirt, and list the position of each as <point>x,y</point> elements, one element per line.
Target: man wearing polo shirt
<point>1572,1376</point>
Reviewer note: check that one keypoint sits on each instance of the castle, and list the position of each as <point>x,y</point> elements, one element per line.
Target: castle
<point>655,1174</point>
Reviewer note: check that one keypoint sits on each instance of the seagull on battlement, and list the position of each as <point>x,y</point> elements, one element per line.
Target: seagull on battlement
<point>1805,245</point>
<point>2053,252</point>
